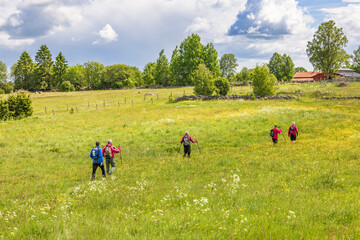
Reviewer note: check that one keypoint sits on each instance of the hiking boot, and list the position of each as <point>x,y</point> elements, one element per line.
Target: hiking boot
<point>93,177</point>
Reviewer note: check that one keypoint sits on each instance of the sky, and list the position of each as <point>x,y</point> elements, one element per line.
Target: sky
<point>133,32</point>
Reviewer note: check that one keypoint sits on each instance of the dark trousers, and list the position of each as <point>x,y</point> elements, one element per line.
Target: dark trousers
<point>187,150</point>
<point>95,166</point>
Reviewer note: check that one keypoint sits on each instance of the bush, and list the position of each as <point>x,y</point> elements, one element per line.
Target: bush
<point>222,85</point>
<point>16,107</point>
<point>203,81</point>
<point>66,86</point>
<point>263,82</point>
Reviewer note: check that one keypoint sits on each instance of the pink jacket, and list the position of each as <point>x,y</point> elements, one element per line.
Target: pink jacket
<point>113,150</point>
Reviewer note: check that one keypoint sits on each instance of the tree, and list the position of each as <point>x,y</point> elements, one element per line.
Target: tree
<point>211,60</point>
<point>121,76</point>
<point>281,66</point>
<point>300,69</point>
<point>356,60</point>
<point>162,70</point>
<point>23,73</point>
<point>60,68</point>
<point>75,75</point>
<point>176,76</point>
<point>148,74</point>
<point>3,72</point>
<point>93,72</point>
<point>203,81</point>
<point>228,65</point>
<point>191,53</point>
<point>243,75</point>
<point>263,81</point>
<point>222,85</point>
<point>326,51</point>
<point>66,86</point>
<point>43,69</point>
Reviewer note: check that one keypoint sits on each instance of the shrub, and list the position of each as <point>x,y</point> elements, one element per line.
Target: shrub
<point>66,86</point>
<point>16,107</point>
<point>222,85</point>
<point>203,81</point>
<point>263,81</point>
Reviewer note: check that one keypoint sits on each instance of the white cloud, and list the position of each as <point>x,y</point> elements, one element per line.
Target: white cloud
<point>107,34</point>
<point>199,25</point>
<point>7,42</point>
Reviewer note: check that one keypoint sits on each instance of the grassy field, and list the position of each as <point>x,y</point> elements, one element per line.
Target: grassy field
<point>239,187</point>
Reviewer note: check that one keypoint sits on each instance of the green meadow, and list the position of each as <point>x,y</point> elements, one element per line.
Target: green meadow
<point>239,186</point>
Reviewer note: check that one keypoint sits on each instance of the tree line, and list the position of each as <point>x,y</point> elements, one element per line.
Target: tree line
<point>189,59</point>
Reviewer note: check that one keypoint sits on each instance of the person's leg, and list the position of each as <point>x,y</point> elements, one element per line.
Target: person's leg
<point>112,162</point>
<point>103,171</point>
<point>94,171</point>
<point>189,151</point>
<point>107,165</point>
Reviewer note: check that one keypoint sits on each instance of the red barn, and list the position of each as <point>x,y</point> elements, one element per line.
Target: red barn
<point>309,77</point>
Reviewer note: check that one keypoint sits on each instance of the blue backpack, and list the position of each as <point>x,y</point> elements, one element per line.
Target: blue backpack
<point>95,154</point>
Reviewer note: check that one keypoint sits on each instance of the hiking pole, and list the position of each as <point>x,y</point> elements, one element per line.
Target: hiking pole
<point>284,137</point>
<point>120,156</point>
<point>198,146</point>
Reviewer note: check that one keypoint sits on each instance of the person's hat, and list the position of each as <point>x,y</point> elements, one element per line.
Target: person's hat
<point>109,141</point>
<point>293,123</point>
<point>186,133</point>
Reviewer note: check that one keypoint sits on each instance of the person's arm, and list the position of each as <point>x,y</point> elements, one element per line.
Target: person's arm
<point>115,150</point>
<point>289,132</point>
<point>182,140</point>
<point>103,151</point>
<point>91,153</point>
<point>101,160</point>
<point>192,140</point>
<point>297,132</point>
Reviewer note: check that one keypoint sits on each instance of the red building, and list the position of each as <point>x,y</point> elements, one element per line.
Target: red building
<point>309,77</point>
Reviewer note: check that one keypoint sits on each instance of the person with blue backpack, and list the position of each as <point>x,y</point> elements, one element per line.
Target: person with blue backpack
<point>97,157</point>
<point>186,140</point>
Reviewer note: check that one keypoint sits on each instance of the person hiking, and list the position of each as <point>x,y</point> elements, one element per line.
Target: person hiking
<point>108,152</point>
<point>274,134</point>
<point>186,140</point>
<point>97,157</point>
<point>293,132</point>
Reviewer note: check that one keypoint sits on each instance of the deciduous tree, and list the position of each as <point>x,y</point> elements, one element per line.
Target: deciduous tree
<point>228,64</point>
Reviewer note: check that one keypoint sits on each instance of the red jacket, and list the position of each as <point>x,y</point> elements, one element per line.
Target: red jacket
<point>276,132</point>
<point>293,132</point>
<point>113,150</point>
<point>182,140</point>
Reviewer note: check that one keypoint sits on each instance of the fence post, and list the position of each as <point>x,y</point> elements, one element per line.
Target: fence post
<point>104,103</point>
<point>125,100</point>
<point>77,110</point>
<point>45,110</point>
<point>53,112</point>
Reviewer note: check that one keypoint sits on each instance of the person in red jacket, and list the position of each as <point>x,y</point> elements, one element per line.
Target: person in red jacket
<point>276,134</point>
<point>293,132</point>
<point>108,152</point>
<point>186,141</point>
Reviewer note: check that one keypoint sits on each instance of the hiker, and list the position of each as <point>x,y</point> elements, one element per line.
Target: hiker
<point>274,134</point>
<point>97,157</point>
<point>108,152</point>
<point>293,132</point>
<point>186,141</point>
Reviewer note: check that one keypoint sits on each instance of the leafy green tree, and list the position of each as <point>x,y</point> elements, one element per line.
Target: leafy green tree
<point>66,86</point>
<point>326,51</point>
<point>263,81</point>
<point>60,67</point>
<point>162,70</point>
<point>243,75</point>
<point>176,76</point>
<point>23,73</point>
<point>203,81</point>
<point>75,75</point>
<point>356,60</point>
<point>121,76</point>
<point>43,71</point>
<point>7,87</point>
<point>211,60</point>
<point>222,85</point>
<point>300,69</point>
<point>191,53</point>
<point>148,74</point>
<point>3,72</point>
<point>93,74</point>
<point>281,66</point>
<point>228,64</point>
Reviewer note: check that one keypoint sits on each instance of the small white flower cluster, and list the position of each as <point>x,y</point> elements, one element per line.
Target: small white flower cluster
<point>7,216</point>
<point>211,186</point>
<point>201,202</point>
<point>180,193</point>
<point>291,215</point>
<point>140,186</point>
<point>235,184</point>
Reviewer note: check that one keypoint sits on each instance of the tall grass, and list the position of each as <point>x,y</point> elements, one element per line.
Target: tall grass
<point>239,186</point>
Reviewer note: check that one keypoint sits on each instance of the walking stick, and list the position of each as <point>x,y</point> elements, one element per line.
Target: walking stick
<point>120,156</point>
<point>284,137</point>
<point>198,146</point>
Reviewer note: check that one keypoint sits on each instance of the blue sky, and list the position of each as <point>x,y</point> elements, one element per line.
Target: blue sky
<point>134,32</point>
